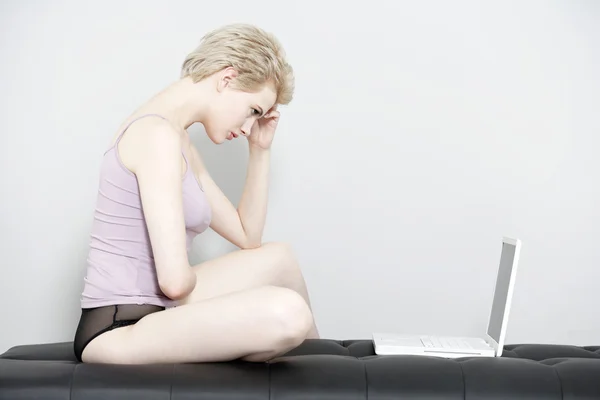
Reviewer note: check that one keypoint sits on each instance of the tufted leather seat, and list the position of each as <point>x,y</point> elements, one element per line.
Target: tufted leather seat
<point>318,369</point>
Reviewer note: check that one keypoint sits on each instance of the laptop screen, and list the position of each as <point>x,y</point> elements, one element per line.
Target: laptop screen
<point>507,257</point>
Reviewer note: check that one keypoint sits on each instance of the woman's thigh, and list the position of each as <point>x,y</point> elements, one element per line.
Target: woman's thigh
<point>271,264</point>
<point>232,326</point>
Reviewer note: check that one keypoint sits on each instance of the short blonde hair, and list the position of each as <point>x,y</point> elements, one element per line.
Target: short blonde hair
<point>256,55</point>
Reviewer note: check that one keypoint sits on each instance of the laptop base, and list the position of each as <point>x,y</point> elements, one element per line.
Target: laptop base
<point>428,345</point>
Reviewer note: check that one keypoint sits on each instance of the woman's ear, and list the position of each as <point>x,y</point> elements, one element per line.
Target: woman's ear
<point>226,77</point>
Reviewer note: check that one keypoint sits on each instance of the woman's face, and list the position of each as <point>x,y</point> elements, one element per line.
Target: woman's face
<point>234,111</point>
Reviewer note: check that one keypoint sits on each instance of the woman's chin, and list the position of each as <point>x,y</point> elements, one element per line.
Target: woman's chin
<point>217,139</point>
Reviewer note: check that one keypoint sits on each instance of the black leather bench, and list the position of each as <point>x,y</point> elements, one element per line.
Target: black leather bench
<point>318,369</point>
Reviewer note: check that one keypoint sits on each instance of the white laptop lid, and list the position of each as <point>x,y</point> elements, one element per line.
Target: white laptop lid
<point>505,281</point>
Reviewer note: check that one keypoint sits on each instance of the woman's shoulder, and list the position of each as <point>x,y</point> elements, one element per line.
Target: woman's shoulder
<point>142,126</point>
<point>140,140</point>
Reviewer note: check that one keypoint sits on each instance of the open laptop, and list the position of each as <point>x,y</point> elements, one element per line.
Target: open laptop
<point>489,344</point>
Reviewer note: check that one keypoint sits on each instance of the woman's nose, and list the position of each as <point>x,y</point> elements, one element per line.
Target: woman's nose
<point>247,128</point>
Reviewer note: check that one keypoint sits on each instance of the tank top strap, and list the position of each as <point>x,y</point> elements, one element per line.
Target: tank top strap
<point>130,123</point>
<point>188,169</point>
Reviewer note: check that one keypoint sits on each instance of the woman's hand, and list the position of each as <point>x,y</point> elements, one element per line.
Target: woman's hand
<point>263,130</point>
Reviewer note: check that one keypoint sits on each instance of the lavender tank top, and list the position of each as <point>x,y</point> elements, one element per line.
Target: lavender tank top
<point>120,263</point>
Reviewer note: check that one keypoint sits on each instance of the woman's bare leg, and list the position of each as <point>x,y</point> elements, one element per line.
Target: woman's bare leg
<point>255,324</point>
<point>271,264</point>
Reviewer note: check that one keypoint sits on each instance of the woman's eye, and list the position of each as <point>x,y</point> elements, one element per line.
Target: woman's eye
<point>255,111</point>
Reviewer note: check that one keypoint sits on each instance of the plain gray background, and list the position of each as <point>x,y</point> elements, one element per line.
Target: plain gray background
<point>420,134</point>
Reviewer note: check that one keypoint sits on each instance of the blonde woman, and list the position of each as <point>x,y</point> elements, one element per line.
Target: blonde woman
<point>142,301</point>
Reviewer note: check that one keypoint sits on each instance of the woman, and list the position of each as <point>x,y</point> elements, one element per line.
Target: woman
<point>142,302</point>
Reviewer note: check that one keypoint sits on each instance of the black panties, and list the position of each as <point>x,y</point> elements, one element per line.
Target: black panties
<point>96,321</point>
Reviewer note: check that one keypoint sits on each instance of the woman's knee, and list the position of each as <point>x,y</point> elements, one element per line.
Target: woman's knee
<point>289,316</point>
<point>280,250</point>
<point>282,259</point>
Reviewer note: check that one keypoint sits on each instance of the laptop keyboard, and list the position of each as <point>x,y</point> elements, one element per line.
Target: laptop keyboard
<point>445,342</point>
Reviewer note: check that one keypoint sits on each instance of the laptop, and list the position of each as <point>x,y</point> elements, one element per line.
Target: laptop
<point>489,344</point>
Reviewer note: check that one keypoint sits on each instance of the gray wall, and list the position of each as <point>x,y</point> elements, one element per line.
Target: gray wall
<point>421,133</point>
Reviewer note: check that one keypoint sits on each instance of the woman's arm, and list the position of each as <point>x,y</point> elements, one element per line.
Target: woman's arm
<point>253,204</point>
<point>153,153</point>
<point>243,226</point>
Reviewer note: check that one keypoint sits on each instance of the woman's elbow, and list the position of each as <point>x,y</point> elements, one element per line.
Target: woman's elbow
<point>173,293</point>
<point>178,289</point>
<point>249,244</point>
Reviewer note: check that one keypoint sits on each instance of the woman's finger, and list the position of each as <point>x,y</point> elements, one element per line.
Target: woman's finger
<point>272,114</point>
